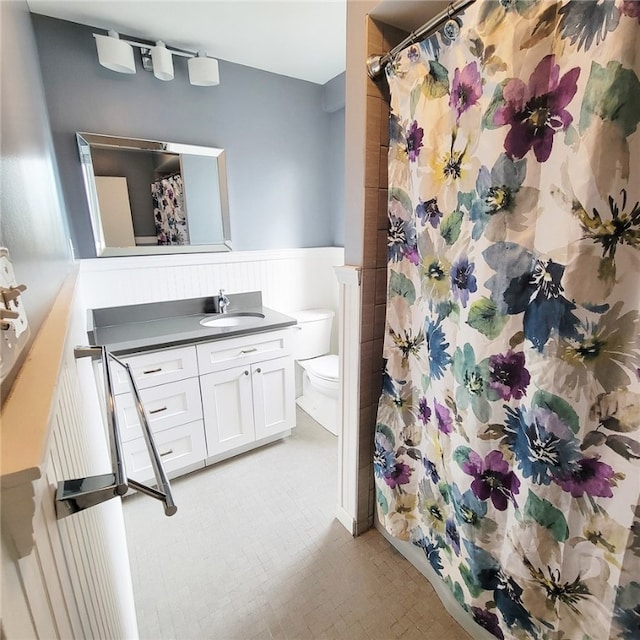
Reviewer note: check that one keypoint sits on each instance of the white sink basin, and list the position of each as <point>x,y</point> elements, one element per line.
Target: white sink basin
<point>231,319</point>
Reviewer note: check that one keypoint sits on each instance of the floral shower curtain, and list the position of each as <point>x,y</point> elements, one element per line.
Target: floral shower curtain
<point>507,444</point>
<point>168,211</point>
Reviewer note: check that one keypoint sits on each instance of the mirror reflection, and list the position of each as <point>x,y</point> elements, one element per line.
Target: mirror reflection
<point>148,196</point>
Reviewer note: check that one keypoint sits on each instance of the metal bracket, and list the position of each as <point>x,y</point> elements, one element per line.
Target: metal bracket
<point>81,493</point>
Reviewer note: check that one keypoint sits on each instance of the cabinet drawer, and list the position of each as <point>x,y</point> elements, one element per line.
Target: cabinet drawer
<point>224,354</point>
<point>158,367</point>
<point>167,406</point>
<point>179,448</point>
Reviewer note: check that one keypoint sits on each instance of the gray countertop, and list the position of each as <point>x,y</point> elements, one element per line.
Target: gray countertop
<point>157,325</point>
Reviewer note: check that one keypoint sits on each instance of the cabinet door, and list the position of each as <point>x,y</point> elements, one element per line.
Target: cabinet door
<point>227,404</point>
<point>274,402</point>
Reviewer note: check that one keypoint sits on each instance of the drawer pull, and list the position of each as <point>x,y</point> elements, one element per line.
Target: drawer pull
<point>158,410</point>
<point>166,453</point>
<point>152,371</point>
<point>244,351</point>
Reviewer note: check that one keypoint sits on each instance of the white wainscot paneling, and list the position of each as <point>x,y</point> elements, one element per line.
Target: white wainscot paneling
<point>290,279</point>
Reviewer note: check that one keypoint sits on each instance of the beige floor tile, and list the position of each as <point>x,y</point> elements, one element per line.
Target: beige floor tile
<point>254,552</point>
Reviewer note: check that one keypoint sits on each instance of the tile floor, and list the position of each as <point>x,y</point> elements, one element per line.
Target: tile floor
<point>254,552</point>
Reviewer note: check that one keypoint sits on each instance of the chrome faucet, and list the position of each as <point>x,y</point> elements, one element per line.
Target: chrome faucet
<point>223,302</point>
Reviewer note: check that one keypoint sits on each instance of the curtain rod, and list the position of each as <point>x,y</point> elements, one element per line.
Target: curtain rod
<point>376,64</point>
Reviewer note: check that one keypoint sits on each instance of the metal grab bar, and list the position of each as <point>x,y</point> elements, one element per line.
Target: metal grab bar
<point>81,493</point>
<point>158,470</point>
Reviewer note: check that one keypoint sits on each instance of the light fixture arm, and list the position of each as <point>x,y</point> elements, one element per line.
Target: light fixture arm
<point>146,45</point>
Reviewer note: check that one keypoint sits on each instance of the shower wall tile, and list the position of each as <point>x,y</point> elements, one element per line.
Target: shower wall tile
<point>391,36</point>
<point>382,238</point>
<point>378,365</point>
<point>381,286</point>
<point>379,314</point>
<point>367,301</point>
<point>383,177</point>
<point>383,215</point>
<point>366,368</point>
<point>371,203</point>
<point>374,115</point>
<point>384,122</point>
<point>375,37</point>
<point>370,249</point>
<point>372,166</point>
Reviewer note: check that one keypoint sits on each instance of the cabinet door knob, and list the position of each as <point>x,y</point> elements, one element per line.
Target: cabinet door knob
<point>246,373</point>
<point>258,370</point>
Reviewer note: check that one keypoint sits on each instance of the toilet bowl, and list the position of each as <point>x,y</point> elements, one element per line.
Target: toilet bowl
<point>320,369</point>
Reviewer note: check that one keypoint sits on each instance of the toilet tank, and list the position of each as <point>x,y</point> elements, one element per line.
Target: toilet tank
<point>312,335</point>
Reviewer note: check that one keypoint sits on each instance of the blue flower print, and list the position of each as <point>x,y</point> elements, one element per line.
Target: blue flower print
<point>544,446</point>
<point>472,382</point>
<point>452,535</point>
<point>432,552</point>
<point>526,284</point>
<point>469,509</point>
<point>463,282</point>
<point>437,345</point>
<point>401,240</point>
<point>501,200</point>
<point>429,212</point>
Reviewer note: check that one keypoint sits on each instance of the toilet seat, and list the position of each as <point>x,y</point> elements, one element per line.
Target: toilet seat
<point>325,367</point>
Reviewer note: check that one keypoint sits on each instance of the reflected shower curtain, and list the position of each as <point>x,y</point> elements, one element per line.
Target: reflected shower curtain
<point>507,444</point>
<point>168,211</point>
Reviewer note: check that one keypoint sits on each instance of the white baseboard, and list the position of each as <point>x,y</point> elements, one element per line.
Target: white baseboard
<point>345,520</point>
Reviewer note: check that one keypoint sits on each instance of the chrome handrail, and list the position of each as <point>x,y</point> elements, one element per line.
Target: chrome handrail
<point>164,488</point>
<point>81,493</point>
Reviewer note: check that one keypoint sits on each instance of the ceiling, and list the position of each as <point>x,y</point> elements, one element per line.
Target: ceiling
<point>302,39</point>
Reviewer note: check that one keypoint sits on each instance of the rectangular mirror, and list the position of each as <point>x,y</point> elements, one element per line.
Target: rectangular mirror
<point>148,197</point>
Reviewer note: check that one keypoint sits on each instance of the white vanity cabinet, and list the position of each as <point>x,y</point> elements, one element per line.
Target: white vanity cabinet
<point>248,391</point>
<point>206,402</point>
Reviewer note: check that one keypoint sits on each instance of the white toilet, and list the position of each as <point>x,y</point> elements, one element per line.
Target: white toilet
<point>320,371</point>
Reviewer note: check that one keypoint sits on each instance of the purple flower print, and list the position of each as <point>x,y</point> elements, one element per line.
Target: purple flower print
<point>589,476</point>
<point>443,418</point>
<point>414,141</point>
<point>492,478</point>
<point>508,377</point>
<point>536,112</point>
<point>463,281</point>
<point>466,89</point>
<point>428,212</point>
<point>397,475</point>
<point>424,413</point>
<point>413,54</point>
<point>631,8</point>
<point>488,620</point>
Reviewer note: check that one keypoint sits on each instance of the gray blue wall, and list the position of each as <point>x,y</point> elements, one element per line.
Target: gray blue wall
<point>276,134</point>
<point>32,223</point>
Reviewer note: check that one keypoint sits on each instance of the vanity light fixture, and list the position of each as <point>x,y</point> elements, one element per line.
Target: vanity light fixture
<point>203,71</point>
<point>117,55</point>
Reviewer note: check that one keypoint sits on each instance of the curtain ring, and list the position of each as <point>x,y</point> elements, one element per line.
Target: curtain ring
<point>451,28</point>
